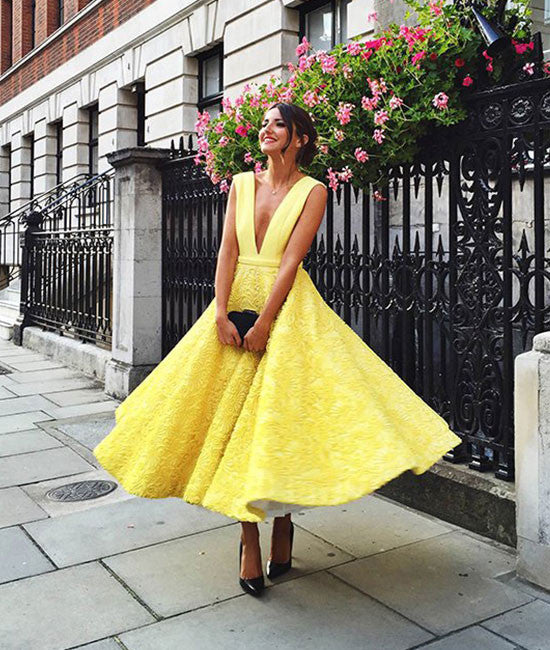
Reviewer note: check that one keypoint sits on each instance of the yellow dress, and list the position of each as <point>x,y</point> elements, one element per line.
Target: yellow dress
<point>315,419</point>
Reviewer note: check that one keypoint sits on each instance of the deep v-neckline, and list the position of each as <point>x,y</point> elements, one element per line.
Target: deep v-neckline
<point>258,252</point>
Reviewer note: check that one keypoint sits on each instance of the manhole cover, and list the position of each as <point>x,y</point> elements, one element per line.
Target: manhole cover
<point>81,491</point>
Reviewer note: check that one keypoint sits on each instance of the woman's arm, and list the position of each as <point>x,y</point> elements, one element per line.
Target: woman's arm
<point>296,249</point>
<point>225,271</point>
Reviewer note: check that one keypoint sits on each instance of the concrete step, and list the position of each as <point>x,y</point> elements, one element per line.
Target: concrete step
<point>474,500</point>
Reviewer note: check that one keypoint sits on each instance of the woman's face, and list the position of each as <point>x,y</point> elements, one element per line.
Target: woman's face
<point>273,134</point>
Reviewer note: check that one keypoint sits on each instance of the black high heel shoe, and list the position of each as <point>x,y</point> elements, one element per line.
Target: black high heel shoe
<point>254,586</point>
<point>276,569</point>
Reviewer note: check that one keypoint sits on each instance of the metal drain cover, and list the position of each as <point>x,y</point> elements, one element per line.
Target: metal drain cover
<point>81,491</point>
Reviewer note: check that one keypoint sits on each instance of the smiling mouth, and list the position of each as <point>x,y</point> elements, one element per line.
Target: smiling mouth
<point>269,139</point>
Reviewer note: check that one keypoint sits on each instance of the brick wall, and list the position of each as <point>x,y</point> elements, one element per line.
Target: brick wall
<point>5,35</point>
<point>47,19</point>
<point>86,31</point>
<point>72,7</point>
<point>21,28</point>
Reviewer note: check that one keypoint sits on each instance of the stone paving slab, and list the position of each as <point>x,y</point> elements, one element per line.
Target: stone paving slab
<point>200,569</point>
<point>22,421</point>
<point>106,644</point>
<point>355,526</point>
<point>98,532</point>
<point>37,492</point>
<point>61,412</point>
<point>5,393</point>
<point>38,387</point>
<point>45,375</point>
<point>25,404</point>
<point>26,364</point>
<point>314,612</point>
<point>88,431</point>
<point>528,625</point>
<point>475,638</point>
<point>81,396</point>
<point>66,608</point>
<point>442,583</point>
<point>25,441</point>
<point>16,507</point>
<point>20,557</point>
<point>40,465</point>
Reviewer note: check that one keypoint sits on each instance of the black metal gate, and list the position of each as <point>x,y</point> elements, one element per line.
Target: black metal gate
<point>447,279</point>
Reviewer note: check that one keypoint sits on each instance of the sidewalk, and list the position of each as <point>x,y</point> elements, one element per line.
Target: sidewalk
<point>122,572</point>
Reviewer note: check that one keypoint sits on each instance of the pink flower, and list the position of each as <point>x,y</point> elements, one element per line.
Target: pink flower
<point>377,196</point>
<point>202,122</point>
<point>328,62</point>
<point>459,62</point>
<point>354,48</point>
<point>242,130</point>
<point>248,157</point>
<point>369,104</point>
<point>361,155</point>
<point>346,174</point>
<point>521,48</point>
<point>372,16</point>
<point>339,135</point>
<point>529,68</point>
<point>343,114</point>
<point>258,167</point>
<point>346,69</point>
<point>395,102</point>
<point>218,128</point>
<point>418,57</point>
<point>323,148</point>
<point>303,47</point>
<point>546,67</point>
<point>378,135</point>
<point>332,179</point>
<point>435,8</point>
<point>489,66</point>
<point>467,81</point>
<point>224,186</point>
<point>310,98</point>
<point>440,101</point>
<point>380,117</point>
<point>224,141</point>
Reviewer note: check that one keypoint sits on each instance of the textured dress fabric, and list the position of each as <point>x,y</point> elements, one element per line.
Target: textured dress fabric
<point>315,419</point>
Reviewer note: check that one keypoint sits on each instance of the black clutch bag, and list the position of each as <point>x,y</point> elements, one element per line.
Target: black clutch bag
<point>243,320</point>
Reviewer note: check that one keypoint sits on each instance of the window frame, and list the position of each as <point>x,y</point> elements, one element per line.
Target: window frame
<point>92,141</point>
<point>204,101</point>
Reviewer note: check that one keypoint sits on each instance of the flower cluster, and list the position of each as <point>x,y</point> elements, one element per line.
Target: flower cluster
<point>371,101</point>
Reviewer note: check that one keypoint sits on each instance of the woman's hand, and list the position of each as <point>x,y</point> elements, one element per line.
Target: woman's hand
<point>227,332</point>
<point>256,337</point>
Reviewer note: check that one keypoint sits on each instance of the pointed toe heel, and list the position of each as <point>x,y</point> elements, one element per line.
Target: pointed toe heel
<point>276,569</point>
<point>253,586</point>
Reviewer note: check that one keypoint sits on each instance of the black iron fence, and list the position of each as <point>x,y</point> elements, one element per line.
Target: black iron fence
<point>65,259</point>
<point>447,278</point>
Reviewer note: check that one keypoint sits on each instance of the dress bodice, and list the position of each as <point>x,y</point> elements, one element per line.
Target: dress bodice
<point>280,226</point>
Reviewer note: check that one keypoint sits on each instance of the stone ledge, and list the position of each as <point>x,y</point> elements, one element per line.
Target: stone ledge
<point>85,357</point>
<point>462,496</point>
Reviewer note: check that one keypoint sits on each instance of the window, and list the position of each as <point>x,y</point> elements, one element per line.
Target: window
<point>60,12</point>
<point>33,23</point>
<point>58,152</point>
<point>323,23</point>
<point>7,28</point>
<point>211,81</point>
<point>6,180</point>
<point>93,116</point>
<point>31,165</point>
<point>140,105</point>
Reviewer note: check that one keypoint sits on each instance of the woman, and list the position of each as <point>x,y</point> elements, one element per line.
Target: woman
<point>300,412</point>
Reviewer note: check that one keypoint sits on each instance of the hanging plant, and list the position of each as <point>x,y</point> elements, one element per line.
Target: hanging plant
<point>371,101</point>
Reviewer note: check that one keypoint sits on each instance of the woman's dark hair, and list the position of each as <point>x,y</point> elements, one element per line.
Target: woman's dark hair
<point>301,119</point>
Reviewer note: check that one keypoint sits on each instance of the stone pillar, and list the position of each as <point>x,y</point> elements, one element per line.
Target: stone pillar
<point>117,122</point>
<point>45,146</point>
<point>532,453</point>
<point>137,273</point>
<point>76,139</point>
